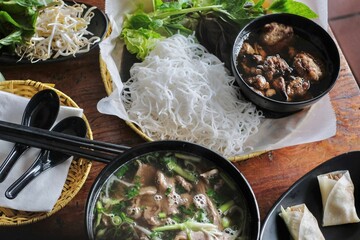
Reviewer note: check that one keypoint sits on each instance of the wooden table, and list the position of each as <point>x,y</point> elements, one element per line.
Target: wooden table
<point>270,174</point>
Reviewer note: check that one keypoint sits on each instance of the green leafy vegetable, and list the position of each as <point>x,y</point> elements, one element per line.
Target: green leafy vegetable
<point>173,166</point>
<point>190,225</point>
<point>142,30</point>
<point>168,191</point>
<point>140,41</point>
<point>134,191</point>
<point>122,171</point>
<point>291,6</point>
<point>17,21</point>
<point>216,197</point>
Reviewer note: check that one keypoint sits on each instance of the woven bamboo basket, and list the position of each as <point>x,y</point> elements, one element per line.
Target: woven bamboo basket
<point>78,171</point>
<point>108,84</point>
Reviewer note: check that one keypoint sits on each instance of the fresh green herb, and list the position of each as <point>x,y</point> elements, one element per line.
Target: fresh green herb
<point>17,21</point>
<point>190,211</point>
<point>156,235</point>
<point>162,215</point>
<point>172,165</point>
<point>133,191</point>
<point>291,6</point>
<point>116,220</point>
<point>217,198</point>
<point>168,191</point>
<point>119,207</point>
<point>142,30</point>
<point>180,189</point>
<point>201,216</point>
<point>225,222</point>
<point>140,41</point>
<point>226,206</point>
<point>126,219</point>
<point>188,226</point>
<point>188,157</point>
<point>122,171</point>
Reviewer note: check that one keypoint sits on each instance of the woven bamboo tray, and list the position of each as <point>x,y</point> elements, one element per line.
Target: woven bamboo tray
<point>108,84</point>
<point>78,171</point>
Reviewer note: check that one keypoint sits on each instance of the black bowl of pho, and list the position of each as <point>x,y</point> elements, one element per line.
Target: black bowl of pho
<point>284,62</point>
<point>171,190</point>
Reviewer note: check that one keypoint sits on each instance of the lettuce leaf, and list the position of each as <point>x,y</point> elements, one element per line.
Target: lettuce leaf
<point>140,41</point>
<point>141,30</point>
<point>291,6</point>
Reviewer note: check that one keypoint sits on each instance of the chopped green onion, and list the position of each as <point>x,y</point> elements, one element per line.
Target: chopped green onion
<point>226,206</point>
<point>162,215</point>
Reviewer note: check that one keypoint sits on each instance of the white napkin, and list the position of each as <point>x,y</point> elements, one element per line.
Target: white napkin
<point>42,192</point>
<point>315,124</point>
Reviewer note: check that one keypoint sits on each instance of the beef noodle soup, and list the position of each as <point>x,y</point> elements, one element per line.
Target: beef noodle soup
<point>170,195</point>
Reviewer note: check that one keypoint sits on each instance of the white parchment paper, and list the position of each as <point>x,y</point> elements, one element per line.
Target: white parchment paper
<point>43,192</point>
<point>314,124</point>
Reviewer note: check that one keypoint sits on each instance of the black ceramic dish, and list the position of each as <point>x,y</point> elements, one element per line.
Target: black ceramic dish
<point>306,190</point>
<point>305,29</point>
<point>178,146</point>
<point>98,26</point>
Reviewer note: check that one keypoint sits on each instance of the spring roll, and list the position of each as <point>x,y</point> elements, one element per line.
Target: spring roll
<point>337,193</point>
<point>301,223</point>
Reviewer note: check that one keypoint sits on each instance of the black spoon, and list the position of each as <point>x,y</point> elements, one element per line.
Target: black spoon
<point>40,112</point>
<point>47,159</point>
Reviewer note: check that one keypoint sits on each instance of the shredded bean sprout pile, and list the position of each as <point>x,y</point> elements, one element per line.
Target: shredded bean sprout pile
<point>60,30</point>
<point>182,92</point>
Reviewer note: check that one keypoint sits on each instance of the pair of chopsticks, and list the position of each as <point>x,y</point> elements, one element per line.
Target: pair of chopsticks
<point>60,142</point>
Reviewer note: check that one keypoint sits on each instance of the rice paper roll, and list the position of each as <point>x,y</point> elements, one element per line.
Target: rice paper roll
<point>337,193</point>
<point>301,223</point>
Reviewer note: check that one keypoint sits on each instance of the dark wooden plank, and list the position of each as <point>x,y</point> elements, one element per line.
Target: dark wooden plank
<point>270,174</point>
<point>338,8</point>
<point>347,33</point>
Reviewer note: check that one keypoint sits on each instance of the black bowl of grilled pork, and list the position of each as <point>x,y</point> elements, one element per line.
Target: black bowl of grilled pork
<point>284,63</point>
<point>171,190</point>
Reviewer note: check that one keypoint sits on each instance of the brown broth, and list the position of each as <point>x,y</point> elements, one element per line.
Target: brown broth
<point>302,42</point>
<point>116,198</point>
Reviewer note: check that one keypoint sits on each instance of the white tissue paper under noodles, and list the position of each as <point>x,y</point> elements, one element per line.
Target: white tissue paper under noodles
<point>182,92</point>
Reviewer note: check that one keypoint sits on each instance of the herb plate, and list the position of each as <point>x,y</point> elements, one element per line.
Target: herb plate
<point>98,26</point>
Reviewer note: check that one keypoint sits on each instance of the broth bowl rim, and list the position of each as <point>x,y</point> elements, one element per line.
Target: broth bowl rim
<point>183,147</point>
<point>333,56</point>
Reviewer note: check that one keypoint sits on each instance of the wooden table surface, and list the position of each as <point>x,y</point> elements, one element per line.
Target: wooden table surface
<point>270,174</point>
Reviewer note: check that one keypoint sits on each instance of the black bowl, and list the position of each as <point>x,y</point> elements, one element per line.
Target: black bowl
<point>184,147</point>
<point>305,29</point>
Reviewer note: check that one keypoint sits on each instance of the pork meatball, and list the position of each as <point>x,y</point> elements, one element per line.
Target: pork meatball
<point>275,66</point>
<point>247,49</point>
<point>258,82</point>
<point>297,88</point>
<point>276,36</point>
<point>280,86</point>
<point>308,67</point>
<point>249,63</point>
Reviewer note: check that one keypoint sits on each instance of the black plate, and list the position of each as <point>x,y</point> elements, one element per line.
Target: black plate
<point>98,26</point>
<point>306,190</point>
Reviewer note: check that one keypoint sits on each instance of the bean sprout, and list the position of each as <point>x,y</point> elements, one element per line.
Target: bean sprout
<point>61,30</point>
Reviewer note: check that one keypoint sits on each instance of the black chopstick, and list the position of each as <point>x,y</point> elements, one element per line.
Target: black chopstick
<point>68,144</point>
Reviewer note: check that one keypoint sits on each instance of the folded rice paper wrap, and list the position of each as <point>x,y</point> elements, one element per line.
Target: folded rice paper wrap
<point>301,223</point>
<point>337,193</point>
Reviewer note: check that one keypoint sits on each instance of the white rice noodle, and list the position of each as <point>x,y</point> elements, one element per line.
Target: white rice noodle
<point>182,92</point>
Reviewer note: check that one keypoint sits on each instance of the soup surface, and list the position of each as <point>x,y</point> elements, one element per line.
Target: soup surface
<point>170,195</point>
